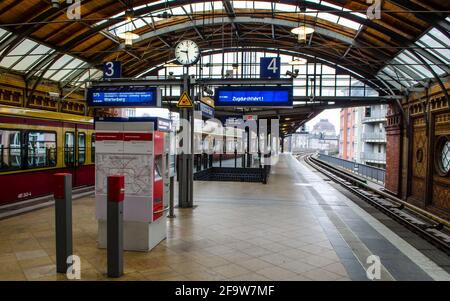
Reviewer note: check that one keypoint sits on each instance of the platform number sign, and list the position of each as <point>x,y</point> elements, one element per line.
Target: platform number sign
<point>270,67</point>
<point>112,69</point>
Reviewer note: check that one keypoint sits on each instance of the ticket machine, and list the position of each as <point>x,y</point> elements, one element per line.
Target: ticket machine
<point>137,148</point>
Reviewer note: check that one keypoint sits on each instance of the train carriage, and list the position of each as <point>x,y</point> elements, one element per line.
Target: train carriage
<point>36,144</point>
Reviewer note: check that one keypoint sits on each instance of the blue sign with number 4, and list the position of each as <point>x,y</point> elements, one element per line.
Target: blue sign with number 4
<point>270,67</point>
<point>112,69</point>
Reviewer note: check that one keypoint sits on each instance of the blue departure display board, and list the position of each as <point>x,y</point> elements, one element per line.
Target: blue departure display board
<point>254,96</point>
<point>141,97</point>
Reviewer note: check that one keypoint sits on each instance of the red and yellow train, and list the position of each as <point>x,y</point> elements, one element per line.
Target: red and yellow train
<point>36,144</point>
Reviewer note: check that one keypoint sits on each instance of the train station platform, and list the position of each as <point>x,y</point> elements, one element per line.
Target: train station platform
<point>297,227</point>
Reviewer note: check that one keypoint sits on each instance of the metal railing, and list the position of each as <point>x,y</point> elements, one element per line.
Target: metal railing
<point>374,136</point>
<point>231,167</point>
<point>376,157</point>
<point>369,172</point>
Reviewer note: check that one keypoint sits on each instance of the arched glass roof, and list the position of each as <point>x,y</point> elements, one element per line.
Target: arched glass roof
<point>30,56</point>
<point>153,18</point>
<point>408,70</point>
<point>404,49</point>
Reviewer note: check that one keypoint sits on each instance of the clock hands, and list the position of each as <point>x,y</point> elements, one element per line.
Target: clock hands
<point>187,52</point>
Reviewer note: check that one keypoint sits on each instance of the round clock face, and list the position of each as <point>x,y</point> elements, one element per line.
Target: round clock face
<point>187,52</point>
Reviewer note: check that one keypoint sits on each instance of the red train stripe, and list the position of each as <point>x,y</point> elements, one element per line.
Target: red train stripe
<point>22,186</point>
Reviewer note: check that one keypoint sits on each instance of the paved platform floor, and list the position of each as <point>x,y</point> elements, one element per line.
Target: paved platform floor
<point>297,227</point>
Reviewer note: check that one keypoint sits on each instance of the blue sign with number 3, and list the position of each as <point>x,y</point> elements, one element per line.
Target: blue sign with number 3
<point>270,67</point>
<point>112,69</point>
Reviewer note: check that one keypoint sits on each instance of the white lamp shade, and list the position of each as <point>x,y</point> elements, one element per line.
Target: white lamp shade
<point>298,61</point>
<point>302,31</point>
<point>128,37</point>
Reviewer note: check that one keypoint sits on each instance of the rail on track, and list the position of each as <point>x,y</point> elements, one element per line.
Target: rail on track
<point>432,228</point>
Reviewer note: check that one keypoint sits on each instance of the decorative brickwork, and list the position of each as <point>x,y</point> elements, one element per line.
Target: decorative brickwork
<point>393,147</point>
<point>421,183</point>
<point>14,92</point>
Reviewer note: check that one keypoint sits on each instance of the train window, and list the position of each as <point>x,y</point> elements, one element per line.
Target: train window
<point>81,148</point>
<point>10,150</point>
<point>69,149</point>
<point>93,148</point>
<point>41,149</point>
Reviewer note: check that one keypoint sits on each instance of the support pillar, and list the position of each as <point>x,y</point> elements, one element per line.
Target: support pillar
<point>186,175</point>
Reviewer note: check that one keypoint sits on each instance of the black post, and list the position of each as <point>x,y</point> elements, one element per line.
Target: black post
<point>172,197</point>
<point>63,220</point>
<point>250,150</point>
<point>1,156</point>
<point>198,162</point>
<point>116,194</point>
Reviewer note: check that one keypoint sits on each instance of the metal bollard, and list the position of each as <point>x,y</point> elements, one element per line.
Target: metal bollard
<point>116,196</point>
<point>63,220</point>
<point>172,197</point>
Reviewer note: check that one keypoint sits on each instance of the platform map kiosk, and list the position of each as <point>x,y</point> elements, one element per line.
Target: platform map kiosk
<point>137,148</point>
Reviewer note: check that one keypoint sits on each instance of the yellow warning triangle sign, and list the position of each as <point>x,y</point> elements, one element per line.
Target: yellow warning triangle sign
<point>185,101</point>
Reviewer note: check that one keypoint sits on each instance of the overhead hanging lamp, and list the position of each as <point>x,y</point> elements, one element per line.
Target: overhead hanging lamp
<point>302,31</point>
<point>298,61</point>
<point>128,36</point>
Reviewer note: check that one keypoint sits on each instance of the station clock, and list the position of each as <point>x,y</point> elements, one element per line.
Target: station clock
<point>187,53</point>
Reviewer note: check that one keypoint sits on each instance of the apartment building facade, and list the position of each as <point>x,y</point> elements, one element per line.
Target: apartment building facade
<point>363,135</point>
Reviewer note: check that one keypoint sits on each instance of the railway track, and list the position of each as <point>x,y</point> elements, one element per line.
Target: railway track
<point>430,227</point>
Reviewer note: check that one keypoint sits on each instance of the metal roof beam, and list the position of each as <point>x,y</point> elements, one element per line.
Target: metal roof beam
<point>41,65</point>
<point>436,76</point>
<point>232,15</point>
<point>195,27</point>
<point>311,57</point>
<point>244,20</point>
<point>432,59</point>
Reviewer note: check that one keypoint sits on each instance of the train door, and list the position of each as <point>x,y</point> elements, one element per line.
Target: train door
<point>75,146</point>
<point>80,158</point>
<point>69,150</point>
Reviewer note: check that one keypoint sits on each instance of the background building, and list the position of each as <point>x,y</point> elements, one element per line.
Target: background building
<point>130,112</point>
<point>363,135</point>
<point>322,138</point>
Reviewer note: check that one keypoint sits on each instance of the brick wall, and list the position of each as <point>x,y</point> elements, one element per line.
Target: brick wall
<point>393,148</point>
